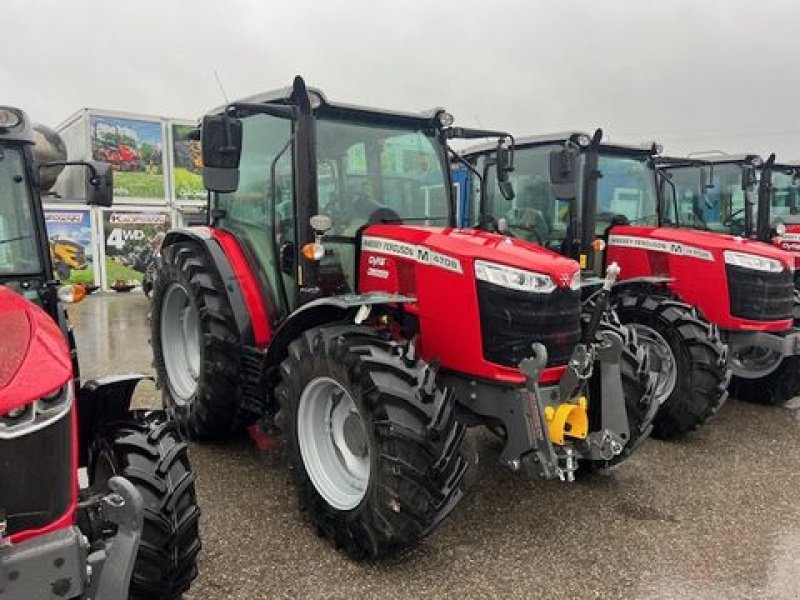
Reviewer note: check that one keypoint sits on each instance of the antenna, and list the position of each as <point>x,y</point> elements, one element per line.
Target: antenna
<point>221,87</point>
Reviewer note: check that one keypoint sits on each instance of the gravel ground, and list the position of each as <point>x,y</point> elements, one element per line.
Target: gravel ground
<point>713,516</point>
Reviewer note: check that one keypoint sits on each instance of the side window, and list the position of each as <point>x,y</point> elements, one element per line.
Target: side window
<point>261,211</point>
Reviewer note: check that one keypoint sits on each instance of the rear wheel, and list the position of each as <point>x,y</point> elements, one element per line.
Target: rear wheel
<point>638,387</point>
<point>374,443</point>
<point>148,451</point>
<point>193,337</point>
<point>780,383</point>
<point>686,355</point>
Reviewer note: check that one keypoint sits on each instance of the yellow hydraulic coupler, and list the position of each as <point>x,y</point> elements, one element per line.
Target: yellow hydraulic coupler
<point>567,420</point>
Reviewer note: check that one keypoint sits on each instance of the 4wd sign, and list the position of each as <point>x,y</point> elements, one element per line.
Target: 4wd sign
<point>130,240</point>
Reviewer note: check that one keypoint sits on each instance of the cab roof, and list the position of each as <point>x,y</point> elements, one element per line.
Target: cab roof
<point>648,148</point>
<point>320,102</point>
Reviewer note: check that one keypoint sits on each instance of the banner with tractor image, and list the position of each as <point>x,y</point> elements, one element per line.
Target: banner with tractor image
<point>187,165</point>
<point>131,241</point>
<point>70,235</point>
<point>134,149</point>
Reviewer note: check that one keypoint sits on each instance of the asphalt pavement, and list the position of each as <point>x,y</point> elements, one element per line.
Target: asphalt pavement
<point>713,516</point>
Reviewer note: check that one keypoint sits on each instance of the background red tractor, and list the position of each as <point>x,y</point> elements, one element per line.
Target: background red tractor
<point>687,289</point>
<point>132,532</point>
<point>331,296</point>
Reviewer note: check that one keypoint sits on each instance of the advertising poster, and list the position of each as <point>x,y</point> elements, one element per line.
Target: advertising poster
<point>131,241</point>
<point>135,151</point>
<point>188,165</point>
<point>70,235</point>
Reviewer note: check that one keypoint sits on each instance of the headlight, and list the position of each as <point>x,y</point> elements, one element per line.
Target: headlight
<point>583,140</point>
<point>9,118</point>
<point>514,279</point>
<point>753,261</point>
<point>38,414</point>
<point>575,284</point>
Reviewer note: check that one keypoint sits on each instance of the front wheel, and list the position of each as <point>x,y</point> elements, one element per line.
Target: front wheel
<point>148,451</point>
<point>374,442</point>
<point>780,383</point>
<point>686,355</point>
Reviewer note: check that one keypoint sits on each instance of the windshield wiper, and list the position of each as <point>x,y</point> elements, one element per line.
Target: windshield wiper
<point>15,239</point>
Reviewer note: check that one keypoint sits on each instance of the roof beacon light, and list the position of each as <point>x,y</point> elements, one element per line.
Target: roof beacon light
<point>9,118</point>
<point>445,119</point>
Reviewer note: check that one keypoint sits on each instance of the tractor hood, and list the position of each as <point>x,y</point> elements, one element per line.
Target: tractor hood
<point>34,356</point>
<point>471,245</point>
<point>686,241</point>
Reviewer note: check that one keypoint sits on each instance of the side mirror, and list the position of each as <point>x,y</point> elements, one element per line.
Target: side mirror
<point>222,149</point>
<point>100,184</point>
<point>504,161</point>
<point>564,172</point>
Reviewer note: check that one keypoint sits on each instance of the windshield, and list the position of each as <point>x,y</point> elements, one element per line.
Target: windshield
<point>785,200</point>
<point>534,214</point>
<point>376,173</point>
<point>18,250</point>
<point>626,188</point>
<point>719,207</point>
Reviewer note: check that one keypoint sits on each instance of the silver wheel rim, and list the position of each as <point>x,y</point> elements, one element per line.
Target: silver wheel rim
<point>662,360</point>
<point>180,343</point>
<point>333,443</point>
<point>754,362</point>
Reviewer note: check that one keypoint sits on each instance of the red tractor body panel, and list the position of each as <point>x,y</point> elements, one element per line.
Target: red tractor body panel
<point>694,259</point>
<point>34,362</point>
<point>436,266</point>
<point>249,285</point>
<point>34,356</point>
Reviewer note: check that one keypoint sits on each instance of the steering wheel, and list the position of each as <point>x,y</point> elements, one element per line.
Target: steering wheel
<point>525,231</point>
<point>729,220</point>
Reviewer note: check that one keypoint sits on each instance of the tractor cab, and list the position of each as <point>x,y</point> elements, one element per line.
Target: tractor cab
<point>716,192</point>
<point>571,190</point>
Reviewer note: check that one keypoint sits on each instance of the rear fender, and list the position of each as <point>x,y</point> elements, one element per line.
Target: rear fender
<point>102,401</point>
<point>322,311</point>
<point>252,331</point>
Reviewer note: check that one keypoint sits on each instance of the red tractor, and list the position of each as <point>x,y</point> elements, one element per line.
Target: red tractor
<point>724,194</point>
<point>331,296</point>
<point>131,531</point>
<point>702,300</point>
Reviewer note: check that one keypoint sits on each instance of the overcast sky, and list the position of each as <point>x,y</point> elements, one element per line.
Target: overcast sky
<point>694,75</point>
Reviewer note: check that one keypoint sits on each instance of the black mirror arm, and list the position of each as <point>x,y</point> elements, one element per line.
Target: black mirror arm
<point>94,180</point>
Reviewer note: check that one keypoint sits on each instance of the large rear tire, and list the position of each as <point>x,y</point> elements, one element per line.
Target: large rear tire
<point>374,443</point>
<point>638,387</point>
<point>686,354</point>
<point>193,334</point>
<point>147,450</point>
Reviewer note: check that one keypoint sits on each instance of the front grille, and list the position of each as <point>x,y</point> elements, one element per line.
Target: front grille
<point>36,476</point>
<point>760,296</point>
<point>511,321</point>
